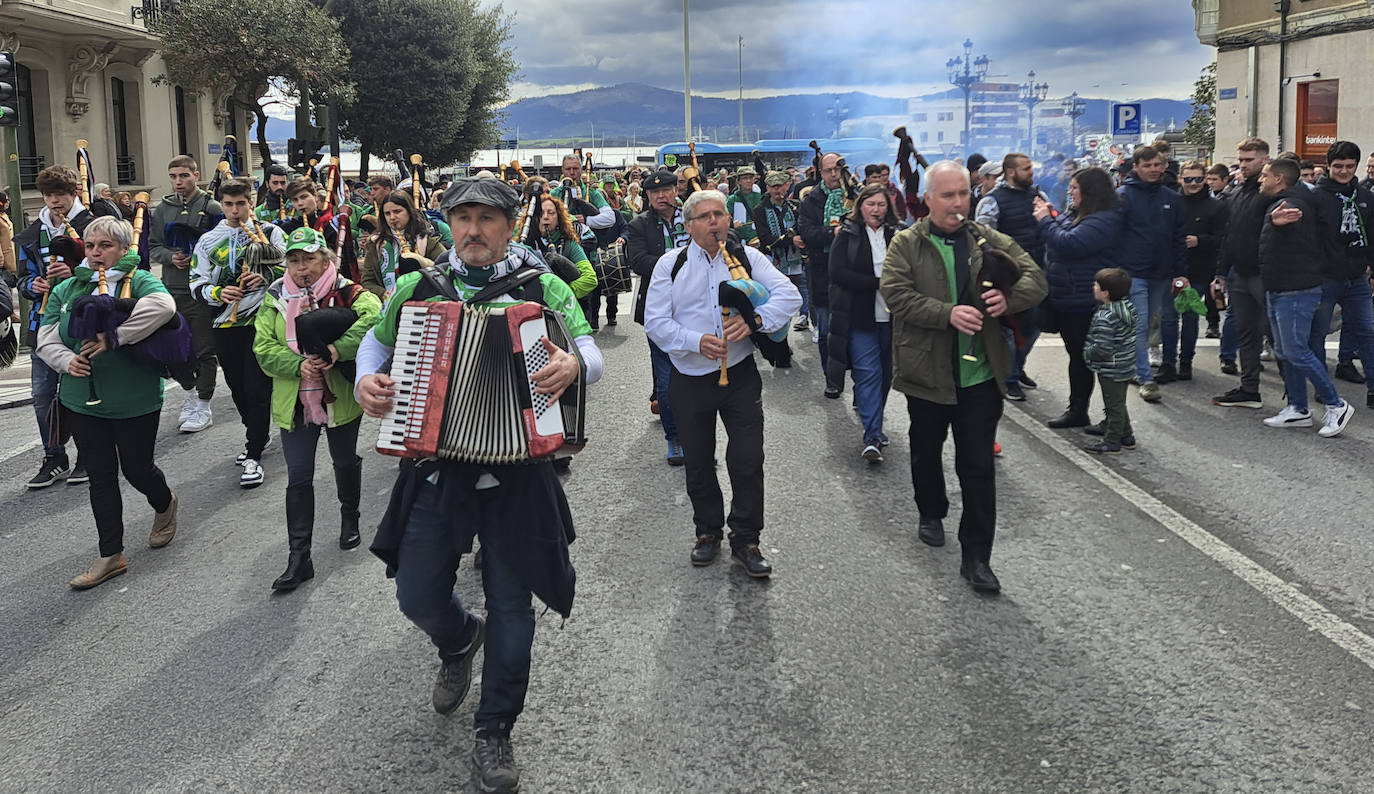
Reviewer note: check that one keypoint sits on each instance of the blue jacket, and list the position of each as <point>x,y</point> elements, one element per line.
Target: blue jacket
<point>1074,253</point>
<point>1152,243</point>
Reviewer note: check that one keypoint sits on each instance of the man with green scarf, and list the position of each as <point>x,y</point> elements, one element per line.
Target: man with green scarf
<point>817,220</point>
<point>741,205</point>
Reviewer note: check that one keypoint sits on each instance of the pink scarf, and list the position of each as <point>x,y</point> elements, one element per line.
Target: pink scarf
<point>296,300</point>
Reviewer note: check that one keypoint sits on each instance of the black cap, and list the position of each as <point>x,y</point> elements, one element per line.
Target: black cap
<point>658,179</point>
<point>491,192</point>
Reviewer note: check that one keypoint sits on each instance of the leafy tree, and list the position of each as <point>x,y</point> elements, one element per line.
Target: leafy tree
<point>430,75</point>
<point>241,48</point>
<point>1202,125</point>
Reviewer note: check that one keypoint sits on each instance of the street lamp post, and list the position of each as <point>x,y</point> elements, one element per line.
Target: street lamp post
<point>741,89</point>
<point>1032,94</point>
<point>965,72</point>
<point>686,73</point>
<point>1073,108</point>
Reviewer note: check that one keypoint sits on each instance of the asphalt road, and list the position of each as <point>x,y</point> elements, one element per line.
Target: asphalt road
<point>1128,652</point>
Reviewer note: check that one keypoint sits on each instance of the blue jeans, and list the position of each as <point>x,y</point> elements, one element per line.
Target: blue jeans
<point>1030,331</point>
<point>1187,340</point>
<point>1230,344</point>
<point>663,367</point>
<point>1357,321</point>
<point>43,382</point>
<point>1293,322</point>
<point>799,281</point>
<point>427,566</point>
<point>298,447</point>
<point>1151,296</point>
<point>870,356</point>
<point>820,321</point>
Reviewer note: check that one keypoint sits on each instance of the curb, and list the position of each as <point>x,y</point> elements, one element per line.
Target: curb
<point>20,403</point>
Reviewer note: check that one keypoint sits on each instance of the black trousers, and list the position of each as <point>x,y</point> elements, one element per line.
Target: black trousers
<point>697,399</point>
<point>200,317</point>
<point>974,420</point>
<point>106,446</point>
<point>1073,329</point>
<point>250,387</point>
<point>591,305</point>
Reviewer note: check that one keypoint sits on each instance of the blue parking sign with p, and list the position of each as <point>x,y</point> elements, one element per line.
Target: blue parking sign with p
<point>1126,119</point>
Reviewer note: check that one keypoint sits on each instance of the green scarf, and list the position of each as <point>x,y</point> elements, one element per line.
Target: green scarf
<point>834,203</point>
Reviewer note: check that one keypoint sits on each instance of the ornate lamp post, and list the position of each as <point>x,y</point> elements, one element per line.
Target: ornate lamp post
<point>1032,94</point>
<point>965,72</point>
<point>1074,107</point>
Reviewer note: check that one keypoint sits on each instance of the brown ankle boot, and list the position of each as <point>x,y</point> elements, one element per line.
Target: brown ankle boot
<point>100,570</point>
<point>164,526</point>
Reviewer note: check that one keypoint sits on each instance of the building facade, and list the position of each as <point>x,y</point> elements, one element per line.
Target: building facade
<point>88,70</point>
<point>1294,72</point>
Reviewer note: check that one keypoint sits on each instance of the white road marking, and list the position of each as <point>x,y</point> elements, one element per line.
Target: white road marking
<point>1299,605</point>
<point>20,450</point>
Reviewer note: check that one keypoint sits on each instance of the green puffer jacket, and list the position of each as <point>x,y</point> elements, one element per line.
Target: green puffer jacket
<point>283,365</point>
<point>916,287</point>
<point>1110,346</point>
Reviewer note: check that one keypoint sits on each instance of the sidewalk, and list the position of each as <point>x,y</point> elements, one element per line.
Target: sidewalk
<point>14,384</point>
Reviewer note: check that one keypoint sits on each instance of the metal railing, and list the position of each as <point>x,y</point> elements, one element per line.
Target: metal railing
<point>28,170</point>
<point>150,10</point>
<point>126,170</point>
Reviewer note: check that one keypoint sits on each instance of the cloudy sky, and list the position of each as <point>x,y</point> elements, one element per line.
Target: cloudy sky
<point>1116,49</point>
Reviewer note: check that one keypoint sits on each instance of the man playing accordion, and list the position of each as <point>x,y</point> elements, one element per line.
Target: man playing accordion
<point>438,505</point>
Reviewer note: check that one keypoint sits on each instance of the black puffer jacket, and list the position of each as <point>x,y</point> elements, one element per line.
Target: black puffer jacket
<point>818,237</point>
<point>853,288</point>
<point>644,246</point>
<point>1354,216</point>
<point>1245,217</point>
<point>1205,218</point>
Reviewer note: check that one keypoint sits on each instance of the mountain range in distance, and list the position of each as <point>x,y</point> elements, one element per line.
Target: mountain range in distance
<point>649,115</point>
<point>643,114</point>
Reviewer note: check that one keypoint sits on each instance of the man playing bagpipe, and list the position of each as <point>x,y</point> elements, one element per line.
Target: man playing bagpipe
<point>438,505</point>
<point>111,400</point>
<point>41,268</point>
<point>231,268</point>
<point>304,195</point>
<point>945,280</point>
<point>775,219</point>
<point>688,313</point>
<point>275,206</point>
<point>178,221</point>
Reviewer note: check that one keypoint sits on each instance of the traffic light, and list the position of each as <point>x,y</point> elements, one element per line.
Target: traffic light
<point>299,152</point>
<point>9,90</point>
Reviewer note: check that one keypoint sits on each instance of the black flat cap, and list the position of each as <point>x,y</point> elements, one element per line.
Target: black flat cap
<point>660,178</point>
<point>491,192</point>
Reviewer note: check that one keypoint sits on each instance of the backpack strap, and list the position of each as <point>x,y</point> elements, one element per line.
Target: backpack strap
<point>510,282</point>
<point>732,243</point>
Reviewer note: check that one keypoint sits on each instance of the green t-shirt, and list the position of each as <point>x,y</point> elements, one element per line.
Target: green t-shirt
<point>127,387</point>
<point>971,373</point>
<point>557,296</point>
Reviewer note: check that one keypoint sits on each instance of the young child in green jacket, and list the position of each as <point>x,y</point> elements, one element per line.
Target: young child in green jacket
<point>1110,352</point>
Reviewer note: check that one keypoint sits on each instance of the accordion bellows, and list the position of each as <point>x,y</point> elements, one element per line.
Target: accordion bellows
<point>463,385</point>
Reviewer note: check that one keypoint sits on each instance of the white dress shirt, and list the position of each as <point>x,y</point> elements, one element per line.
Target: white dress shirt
<point>678,312</point>
<point>878,242</point>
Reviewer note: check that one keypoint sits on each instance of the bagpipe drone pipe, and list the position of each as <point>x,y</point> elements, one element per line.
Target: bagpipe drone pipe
<point>1000,272</point>
<point>742,295</point>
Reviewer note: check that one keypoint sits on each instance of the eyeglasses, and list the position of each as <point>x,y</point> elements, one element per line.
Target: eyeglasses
<point>1193,180</point>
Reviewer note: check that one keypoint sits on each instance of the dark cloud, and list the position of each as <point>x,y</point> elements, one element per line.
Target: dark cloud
<point>897,47</point>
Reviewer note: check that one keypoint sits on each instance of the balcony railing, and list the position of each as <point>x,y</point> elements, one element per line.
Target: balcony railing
<point>150,10</point>
<point>28,171</point>
<point>126,171</point>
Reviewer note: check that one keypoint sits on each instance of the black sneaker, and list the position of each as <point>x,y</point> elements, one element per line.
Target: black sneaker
<point>78,475</point>
<point>1099,429</point>
<point>752,560</point>
<point>1238,398</point>
<point>832,392</point>
<point>495,762</point>
<point>1014,393</point>
<point>1166,374</point>
<point>1229,367</point>
<point>1103,447</point>
<point>455,674</point>
<point>1185,370</point>
<point>52,469</point>
<point>1025,381</point>
<point>1128,442</point>
<point>1348,373</point>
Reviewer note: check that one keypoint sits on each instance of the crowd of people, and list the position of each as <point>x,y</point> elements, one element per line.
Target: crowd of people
<point>939,292</point>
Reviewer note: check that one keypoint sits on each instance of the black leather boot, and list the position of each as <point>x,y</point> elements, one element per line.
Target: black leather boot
<point>300,520</point>
<point>349,480</point>
<point>1074,416</point>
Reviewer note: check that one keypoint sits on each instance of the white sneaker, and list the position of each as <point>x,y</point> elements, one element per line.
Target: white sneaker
<point>243,456</point>
<point>1267,354</point>
<point>201,418</point>
<point>1337,417</point>
<point>188,408</point>
<point>1290,417</point>
<point>1156,355</point>
<point>252,474</point>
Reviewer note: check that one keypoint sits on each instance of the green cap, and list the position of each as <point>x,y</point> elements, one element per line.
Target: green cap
<point>305,239</point>
<point>776,178</point>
